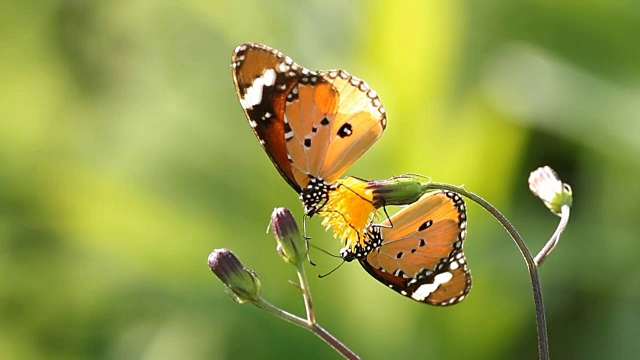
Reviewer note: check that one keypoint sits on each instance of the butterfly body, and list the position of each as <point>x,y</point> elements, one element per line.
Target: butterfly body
<point>313,125</point>
<point>418,251</point>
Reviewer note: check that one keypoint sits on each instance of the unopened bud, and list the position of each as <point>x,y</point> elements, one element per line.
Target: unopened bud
<point>242,284</point>
<point>290,242</point>
<point>399,190</point>
<point>545,184</point>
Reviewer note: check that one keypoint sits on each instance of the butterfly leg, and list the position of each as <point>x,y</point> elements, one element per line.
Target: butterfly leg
<point>306,239</point>
<point>353,191</point>
<point>412,176</point>
<point>390,226</point>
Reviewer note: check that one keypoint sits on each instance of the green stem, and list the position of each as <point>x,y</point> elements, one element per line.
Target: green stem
<point>551,244</point>
<point>307,324</point>
<point>543,340</point>
<point>306,293</point>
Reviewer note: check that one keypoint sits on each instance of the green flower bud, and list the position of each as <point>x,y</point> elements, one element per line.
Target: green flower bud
<point>545,184</point>
<point>242,284</point>
<point>399,190</point>
<point>291,245</point>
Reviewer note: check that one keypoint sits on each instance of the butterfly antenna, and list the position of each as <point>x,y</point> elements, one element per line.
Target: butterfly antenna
<point>332,271</point>
<point>325,251</point>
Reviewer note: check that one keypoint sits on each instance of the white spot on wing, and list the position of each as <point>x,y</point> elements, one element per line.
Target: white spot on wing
<point>253,95</point>
<point>289,134</point>
<point>426,289</point>
<point>269,77</point>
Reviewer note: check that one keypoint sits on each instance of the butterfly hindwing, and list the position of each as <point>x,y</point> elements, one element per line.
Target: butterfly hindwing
<point>313,124</point>
<point>420,256</point>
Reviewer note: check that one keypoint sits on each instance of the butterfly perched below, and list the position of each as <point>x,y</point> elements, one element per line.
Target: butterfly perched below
<point>313,124</point>
<point>418,251</point>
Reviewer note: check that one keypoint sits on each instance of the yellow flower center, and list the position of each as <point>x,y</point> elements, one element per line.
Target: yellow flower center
<point>349,210</point>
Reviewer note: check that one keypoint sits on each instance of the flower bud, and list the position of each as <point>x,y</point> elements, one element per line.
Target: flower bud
<point>242,284</point>
<point>545,184</point>
<point>399,190</point>
<point>291,246</point>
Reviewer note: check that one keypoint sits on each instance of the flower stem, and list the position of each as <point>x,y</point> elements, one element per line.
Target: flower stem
<point>306,294</point>
<point>309,325</point>
<point>551,244</point>
<point>290,248</point>
<point>543,340</point>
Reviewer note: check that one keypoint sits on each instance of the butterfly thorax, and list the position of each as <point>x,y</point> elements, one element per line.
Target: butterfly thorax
<point>315,195</point>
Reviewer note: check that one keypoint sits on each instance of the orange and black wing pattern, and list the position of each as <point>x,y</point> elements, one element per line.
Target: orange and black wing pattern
<point>263,77</point>
<point>418,251</point>
<point>313,124</point>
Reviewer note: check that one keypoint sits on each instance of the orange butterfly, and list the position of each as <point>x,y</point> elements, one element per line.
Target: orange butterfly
<point>420,256</point>
<point>313,124</point>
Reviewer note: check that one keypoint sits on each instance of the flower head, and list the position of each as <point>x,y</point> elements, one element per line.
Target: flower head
<point>242,284</point>
<point>545,184</point>
<point>352,205</point>
<point>349,210</point>
<point>285,229</point>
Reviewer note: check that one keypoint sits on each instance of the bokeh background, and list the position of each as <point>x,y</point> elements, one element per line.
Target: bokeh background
<point>125,158</point>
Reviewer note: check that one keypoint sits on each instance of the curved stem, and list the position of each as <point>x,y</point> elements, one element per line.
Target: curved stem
<point>543,340</point>
<point>284,315</point>
<point>551,244</point>
<point>333,342</point>
<point>306,324</point>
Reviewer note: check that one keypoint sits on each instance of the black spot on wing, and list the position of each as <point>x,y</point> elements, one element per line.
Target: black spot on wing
<point>425,225</point>
<point>345,130</point>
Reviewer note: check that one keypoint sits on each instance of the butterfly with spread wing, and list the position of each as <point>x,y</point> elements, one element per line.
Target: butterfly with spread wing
<point>313,125</point>
<point>421,255</point>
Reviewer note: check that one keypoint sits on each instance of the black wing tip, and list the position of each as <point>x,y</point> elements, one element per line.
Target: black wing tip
<point>242,48</point>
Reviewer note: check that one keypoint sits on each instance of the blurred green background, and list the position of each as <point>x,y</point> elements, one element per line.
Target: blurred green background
<point>125,158</point>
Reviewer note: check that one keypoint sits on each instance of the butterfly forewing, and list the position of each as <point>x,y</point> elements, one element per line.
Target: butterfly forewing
<point>310,105</point>
<point>358,123</point>
<point>421,255</point>
<point>345,119</point>
<point>263,77</point>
